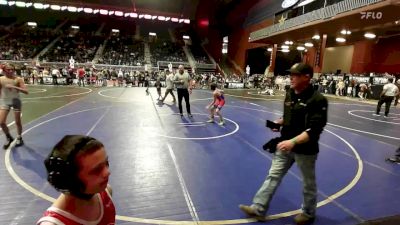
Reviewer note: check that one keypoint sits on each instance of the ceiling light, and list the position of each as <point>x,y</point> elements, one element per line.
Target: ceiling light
<point>134,15</point>
<point>287,42</point>
<point>20,4</point>
<point>11,3</point>
<point>167,18</point>
<point>269,49</point>
<point>38,6</point>
<point>162,18</point>
<point>340,39</point>
<point>316,37</point>
<point>285,50</point>
<point>345,32</point>
<point>29,4</point>
<point>96,11</point>
<point>55,7</point>
<point>285,47</point>
<point>396,22</point>
<point>72,9</point>
<point>300,48</point>
<point>370,35</point>
<point>103,12</point>
<point>63,8</point>
<point>147,16</point>
<point>174,19</point>
<point>115,30</point>
<point>186,37</point>
<point>74,27</point>
<point>309,44</point>
<point>186,21</point>
<point>152,34</point>
<point>154,17</point>
<point>32,24</point>
<point>111,13</point>
<point>305,2</point>
<point>88,10</point>
<point>119,13</point>
<point>80,9</point>
<point>3,2</point>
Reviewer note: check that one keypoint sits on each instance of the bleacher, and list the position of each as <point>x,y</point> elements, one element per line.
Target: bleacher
<point>123,50</point>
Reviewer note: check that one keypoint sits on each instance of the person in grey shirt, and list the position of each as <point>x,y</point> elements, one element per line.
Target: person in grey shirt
<point>183,86</point>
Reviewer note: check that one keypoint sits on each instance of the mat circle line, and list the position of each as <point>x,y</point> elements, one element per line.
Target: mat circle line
<point>44,196</point>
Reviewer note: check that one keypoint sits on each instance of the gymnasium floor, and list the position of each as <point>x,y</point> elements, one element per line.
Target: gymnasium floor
<point>168,170</point>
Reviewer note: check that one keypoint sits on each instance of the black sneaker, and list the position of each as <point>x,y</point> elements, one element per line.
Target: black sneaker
<point>394,160</point>
<point>19,142</point>
<point>8,143</point>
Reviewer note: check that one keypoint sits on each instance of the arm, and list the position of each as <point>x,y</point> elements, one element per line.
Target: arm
<point>176,81</point>
<point>20,86</point>
<point>212,103</point>
<point>191,83</point>
<point>383,92</point>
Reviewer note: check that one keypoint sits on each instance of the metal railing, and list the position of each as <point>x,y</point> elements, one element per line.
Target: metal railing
<point>319,14</point>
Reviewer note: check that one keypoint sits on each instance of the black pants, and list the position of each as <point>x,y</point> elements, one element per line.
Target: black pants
<point>183,93</point>
<point>388,101</point>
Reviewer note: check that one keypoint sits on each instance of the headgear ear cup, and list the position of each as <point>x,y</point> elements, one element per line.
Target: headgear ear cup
<point>60,173</point>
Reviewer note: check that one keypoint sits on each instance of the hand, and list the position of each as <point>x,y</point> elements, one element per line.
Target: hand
<point>285,146</point>
<point>10,86</point>
<point>190,91</point>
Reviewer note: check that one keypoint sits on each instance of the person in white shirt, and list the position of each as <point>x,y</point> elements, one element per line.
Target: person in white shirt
<point>55,73</point>
<point>170,86</point>
<point>388,93</point>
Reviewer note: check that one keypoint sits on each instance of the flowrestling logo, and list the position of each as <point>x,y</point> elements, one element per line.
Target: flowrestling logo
<point>371,15</point>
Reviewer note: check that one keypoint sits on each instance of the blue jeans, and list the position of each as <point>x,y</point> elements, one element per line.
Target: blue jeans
<point>281,163</point>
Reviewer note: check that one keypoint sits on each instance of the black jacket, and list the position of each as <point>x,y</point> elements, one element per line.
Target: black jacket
<point>306,111</point>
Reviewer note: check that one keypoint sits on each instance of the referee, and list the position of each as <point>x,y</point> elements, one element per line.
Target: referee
<point>183,87</point>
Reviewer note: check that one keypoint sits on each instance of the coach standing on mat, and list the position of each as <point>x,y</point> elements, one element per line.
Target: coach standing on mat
<point>183,87</point>
<point>304,118</point>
